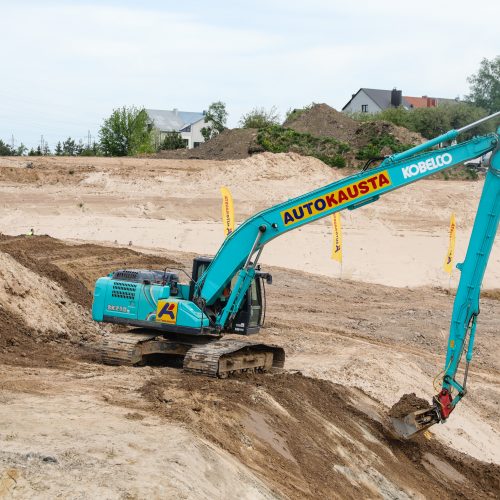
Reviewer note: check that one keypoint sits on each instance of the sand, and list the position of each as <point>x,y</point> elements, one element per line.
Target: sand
<point>175,205</point>
<point>74,428</point>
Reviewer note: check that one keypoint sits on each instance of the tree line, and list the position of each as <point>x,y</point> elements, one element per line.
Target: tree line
<point>128,130</point>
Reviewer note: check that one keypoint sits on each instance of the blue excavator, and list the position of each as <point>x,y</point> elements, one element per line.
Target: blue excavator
<point>226,293</point>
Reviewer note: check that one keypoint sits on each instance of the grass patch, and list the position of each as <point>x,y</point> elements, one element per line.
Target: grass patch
<point>377,143</point>
<point>278,139</point>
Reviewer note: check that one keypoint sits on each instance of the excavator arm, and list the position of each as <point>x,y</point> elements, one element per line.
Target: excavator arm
<point>241,250</point>
<point>465,309</point>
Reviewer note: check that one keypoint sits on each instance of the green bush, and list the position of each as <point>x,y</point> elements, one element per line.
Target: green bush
<point>278,139</point>
<point>374,148</point>
<point>431,122</point>
<point>173,140</point>
<point>260,118</point>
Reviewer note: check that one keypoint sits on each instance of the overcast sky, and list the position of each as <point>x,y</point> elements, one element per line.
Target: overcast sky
<point>66,64</point>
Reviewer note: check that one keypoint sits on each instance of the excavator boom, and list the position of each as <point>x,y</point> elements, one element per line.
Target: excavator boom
<point>225,295</point>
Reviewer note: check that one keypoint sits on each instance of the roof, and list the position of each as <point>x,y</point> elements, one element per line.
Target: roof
<point>173,120</point>
<point>428,102</point>
<point>382,98</point>
<point>421,102</point>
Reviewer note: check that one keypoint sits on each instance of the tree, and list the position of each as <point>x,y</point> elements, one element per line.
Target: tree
<point>21,149</point>
<point>173,140</point>
<point>69,147</point>
<point>260,118</point>
<point>59,150</point>
<point>5,149</point>
<point>79,148</point>
<point>485,85</point>
<point>126,132</point>
<point>216,118</point>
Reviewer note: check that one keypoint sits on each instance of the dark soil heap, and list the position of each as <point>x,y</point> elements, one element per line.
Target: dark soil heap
<point>231,144</point>
<point>324,121</point>
<point>408,404</point>
<point>318,121</point>
<point>309,438</point>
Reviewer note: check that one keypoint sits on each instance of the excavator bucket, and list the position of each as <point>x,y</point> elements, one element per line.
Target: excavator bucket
<point>415,422</point>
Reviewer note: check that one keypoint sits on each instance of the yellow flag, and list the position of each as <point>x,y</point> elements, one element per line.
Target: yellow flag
<point>227,210</point>
<point>337,238</point>
<point>448,262</point>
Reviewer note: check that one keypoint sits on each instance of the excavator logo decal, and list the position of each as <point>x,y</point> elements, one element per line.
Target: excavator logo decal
<point>336,198</point>
<point>167,311</point>
<point>424,166</point>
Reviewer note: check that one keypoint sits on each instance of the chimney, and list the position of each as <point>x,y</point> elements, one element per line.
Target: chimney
<point>396,97</point>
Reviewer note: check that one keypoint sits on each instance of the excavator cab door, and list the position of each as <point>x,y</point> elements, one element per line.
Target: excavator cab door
<point>249,317</point>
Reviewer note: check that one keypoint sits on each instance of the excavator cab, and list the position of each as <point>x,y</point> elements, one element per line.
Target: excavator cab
<point>252,313</point>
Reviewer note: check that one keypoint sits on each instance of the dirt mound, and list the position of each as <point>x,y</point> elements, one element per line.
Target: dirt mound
<point>368,131</point>
<point>408,404</point>
<point>37,310</point>
<point>308,438</point>
<point>323,120</point>
<point>231,144</point>
<point>74,267</point>
<point>46,294</point>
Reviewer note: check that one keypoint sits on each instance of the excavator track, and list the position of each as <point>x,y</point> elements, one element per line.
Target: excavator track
<point>210,357</point>
<point>123,349</point>
<point>226,357</point>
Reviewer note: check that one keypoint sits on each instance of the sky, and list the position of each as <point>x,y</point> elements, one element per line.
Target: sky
<point>65,65</point>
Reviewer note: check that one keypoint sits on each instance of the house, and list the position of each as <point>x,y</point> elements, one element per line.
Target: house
<point>375,100</point>
<point>187,123</point>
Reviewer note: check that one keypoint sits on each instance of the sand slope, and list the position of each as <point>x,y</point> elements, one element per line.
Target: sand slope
<point>175,204</point>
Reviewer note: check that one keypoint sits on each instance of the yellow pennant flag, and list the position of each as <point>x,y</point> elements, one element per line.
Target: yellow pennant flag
<point>337,238</point>
<point>448,263</point>
<point>227,210</point>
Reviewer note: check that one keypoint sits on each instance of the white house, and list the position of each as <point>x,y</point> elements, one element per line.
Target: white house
<point>375,100</point>
<point>187,123</point>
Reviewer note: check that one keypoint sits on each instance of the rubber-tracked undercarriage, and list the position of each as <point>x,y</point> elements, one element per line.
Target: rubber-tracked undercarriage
<point>213,357</point>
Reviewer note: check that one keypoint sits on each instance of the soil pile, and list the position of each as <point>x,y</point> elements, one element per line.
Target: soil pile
<point>231,144</point>
<point>309,438</point>
<point>324,121</point>
<point>408,404</point>
<point>320,120</point>
<point>75,268</point>
<point>368,131</point>
<point>46,294</point>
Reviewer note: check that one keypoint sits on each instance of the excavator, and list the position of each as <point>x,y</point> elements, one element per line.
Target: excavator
<point>226,293</point>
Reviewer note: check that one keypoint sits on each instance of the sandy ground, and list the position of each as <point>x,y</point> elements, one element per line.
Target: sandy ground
<point>72,428</point>
<point>175,204</point>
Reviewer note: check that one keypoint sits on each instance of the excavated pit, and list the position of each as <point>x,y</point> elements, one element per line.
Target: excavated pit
<point>300,436</point>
